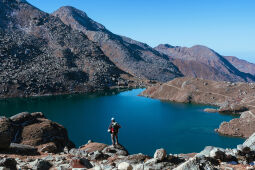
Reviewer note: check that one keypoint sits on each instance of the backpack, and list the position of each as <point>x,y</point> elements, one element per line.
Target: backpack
<point>115,127</point>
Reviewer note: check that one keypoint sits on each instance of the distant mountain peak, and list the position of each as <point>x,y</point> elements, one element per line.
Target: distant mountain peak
<point>165,46</point>
<point>71,10</point>
<point>76,16</point>
<point>203,62</point>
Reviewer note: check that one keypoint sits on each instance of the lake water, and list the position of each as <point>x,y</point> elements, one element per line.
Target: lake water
<point>147,124</point>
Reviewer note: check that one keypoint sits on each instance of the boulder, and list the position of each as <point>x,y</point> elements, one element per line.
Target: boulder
<point>35,130</point>
<point>205,152</point>
<point>218,153</point>
<point>48,147</point>
<point>5,133</point>
<point>78,152</point>
<point>43,165</point>
<point>151,162</point>
<point>118,150</point>
<point>160,154</point>
<point>97,155</point>
<point>21,118</point>
<point>93,146</point>
<point>125,166</point>
<point>8,163</point>
<point>250,142</point>
<point>63,167</point>
<point>23,149</point>
<point>81,163</point>
<point>198,163</point>
<point>188,165</point>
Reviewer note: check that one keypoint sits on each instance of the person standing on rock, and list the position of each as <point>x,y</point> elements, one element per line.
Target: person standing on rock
<point>114,129</point>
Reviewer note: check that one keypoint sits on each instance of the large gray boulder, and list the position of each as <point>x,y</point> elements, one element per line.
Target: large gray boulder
<point>213,152</point>
<point>160,154</point>
<point>250,142</point>
<point>190,164</point>
<point>197,164</point>
<point>205,152</point>
<point>125,166</point>
<point>118,150</point>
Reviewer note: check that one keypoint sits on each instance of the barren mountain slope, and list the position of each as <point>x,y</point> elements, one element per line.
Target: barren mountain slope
<point>202,62</point>
<point>133,57</point>
<point>41,55</point>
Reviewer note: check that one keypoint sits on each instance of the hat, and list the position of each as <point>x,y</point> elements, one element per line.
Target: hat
<point>113,119</point>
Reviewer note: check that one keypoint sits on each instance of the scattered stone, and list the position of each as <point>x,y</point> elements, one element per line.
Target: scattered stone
<point>81,163</point>
<point>118,150</point>
<point>48,148</point>
<point>43,165</point>
<point>205,152</point>
<point>97,155</point>
<point>188,165</point>
<point>63,167</point>
<point>160,154</point>
<point>8,163</point>
<point>125,166</point>
<point>218,153</point>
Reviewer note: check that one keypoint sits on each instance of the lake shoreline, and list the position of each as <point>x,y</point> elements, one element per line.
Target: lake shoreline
<point>233,98</point>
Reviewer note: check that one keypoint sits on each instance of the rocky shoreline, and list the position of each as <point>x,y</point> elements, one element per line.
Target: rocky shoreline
<point>50,148</point>
<point>231,98</point>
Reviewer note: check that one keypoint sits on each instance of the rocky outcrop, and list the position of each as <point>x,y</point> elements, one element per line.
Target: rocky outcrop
<point>132,56</point>
<point>34,130</point>
<point>241,65</point>
<point>240,127</point>
<point>40,55</point>
<point>202,62</point>
<point>233,98</point>
<point>230,97</point>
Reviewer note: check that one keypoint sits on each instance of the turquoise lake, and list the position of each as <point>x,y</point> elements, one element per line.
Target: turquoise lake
<point>147,124</point>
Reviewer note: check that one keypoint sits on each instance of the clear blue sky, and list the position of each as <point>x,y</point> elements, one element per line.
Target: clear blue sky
<point>227,26</point>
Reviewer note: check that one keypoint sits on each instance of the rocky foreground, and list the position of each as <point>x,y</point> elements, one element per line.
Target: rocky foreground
<point>231,98</point>
<point>42,144</point>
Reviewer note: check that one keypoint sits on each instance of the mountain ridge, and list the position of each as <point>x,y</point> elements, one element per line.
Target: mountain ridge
<point>131,56</point>
<point>198,60</point>
<point>41,56</point>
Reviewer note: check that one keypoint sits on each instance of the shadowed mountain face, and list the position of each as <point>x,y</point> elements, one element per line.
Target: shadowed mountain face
<point>41,55</point>
<point>131,56</point>
<point>241,65</point>
<point>202,62</point>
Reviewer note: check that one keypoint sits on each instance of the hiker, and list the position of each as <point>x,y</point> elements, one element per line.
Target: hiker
<point>114,129</point>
